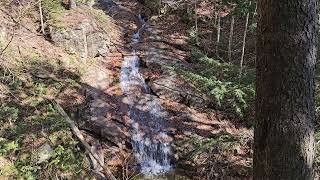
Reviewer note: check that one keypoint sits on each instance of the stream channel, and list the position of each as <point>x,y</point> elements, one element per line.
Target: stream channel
<point>151,145</point>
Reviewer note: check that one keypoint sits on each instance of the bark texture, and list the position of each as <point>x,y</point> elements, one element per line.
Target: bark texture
<point>286,53</point>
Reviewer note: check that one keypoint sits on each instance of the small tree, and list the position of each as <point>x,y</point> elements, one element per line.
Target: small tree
<point>244,42</point>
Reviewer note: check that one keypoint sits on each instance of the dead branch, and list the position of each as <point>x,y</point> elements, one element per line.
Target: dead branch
<point>8,44</point>
<point>79,135</point>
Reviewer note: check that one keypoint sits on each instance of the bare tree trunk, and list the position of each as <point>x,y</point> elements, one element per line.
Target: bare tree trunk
<point>218,34</point>
<point>285,107</point>
<point>215,14</point>
<point>214,21</point>
<point>196,23</point>
<point>244,44</point>
<point>230,39</point>
<point>41,17</point>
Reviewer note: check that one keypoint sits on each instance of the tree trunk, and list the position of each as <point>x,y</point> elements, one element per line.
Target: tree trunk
<point>230,39</point>
<point>41,17</point>
<point>218,34</point>
<point>196,23</point>
<point>214,20</point>
<point>285,108</point>
<point>244,45</point>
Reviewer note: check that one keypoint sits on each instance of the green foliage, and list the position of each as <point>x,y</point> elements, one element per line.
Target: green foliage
<point>53,11</point>
<point>35,120</point>
<point>253,27</point>
<point>222,143</point>
<point>221,81</point>
<point>242,7</point>
<point>7,169</point>
<point>192,35</point>
<point>8,113</point>
<point>26,168</point>
<point>188,16</point>
<point>103,19</point>
<point>67,158</point>
<point>7,146</point>
<point>153,5</point>
<point>53,6</point>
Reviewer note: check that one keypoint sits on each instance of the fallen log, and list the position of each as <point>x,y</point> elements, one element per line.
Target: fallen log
<point>79,135</point>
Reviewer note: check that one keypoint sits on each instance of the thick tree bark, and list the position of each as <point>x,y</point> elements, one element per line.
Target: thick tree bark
<point>285,108</point>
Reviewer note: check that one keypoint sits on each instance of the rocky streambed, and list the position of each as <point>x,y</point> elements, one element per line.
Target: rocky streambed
<point>137,104</point>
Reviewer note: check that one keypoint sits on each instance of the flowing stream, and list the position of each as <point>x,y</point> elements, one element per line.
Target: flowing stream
<point>151,144</point>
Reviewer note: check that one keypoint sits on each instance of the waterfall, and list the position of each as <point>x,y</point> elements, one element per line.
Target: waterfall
<point>151,145</point>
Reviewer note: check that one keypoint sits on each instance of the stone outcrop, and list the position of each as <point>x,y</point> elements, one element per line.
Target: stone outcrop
<point>84,40</point>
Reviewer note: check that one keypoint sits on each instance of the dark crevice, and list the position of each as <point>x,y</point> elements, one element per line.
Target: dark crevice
<point>151,91</point>
<point>117,120</point>
<point>101,137</point>
<point>176,46</point>
<point>188,60</point>
<point>185,99</point>
<point>142,63</point>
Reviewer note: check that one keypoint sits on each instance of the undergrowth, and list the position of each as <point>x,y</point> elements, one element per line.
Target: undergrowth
<point>35,141</point>
<point>221,81</point>
<point>210,154</point>
<point>53,11</point>
<point>223,144</point>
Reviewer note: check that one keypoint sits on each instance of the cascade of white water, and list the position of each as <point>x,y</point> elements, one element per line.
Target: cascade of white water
<point>150,144</point>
